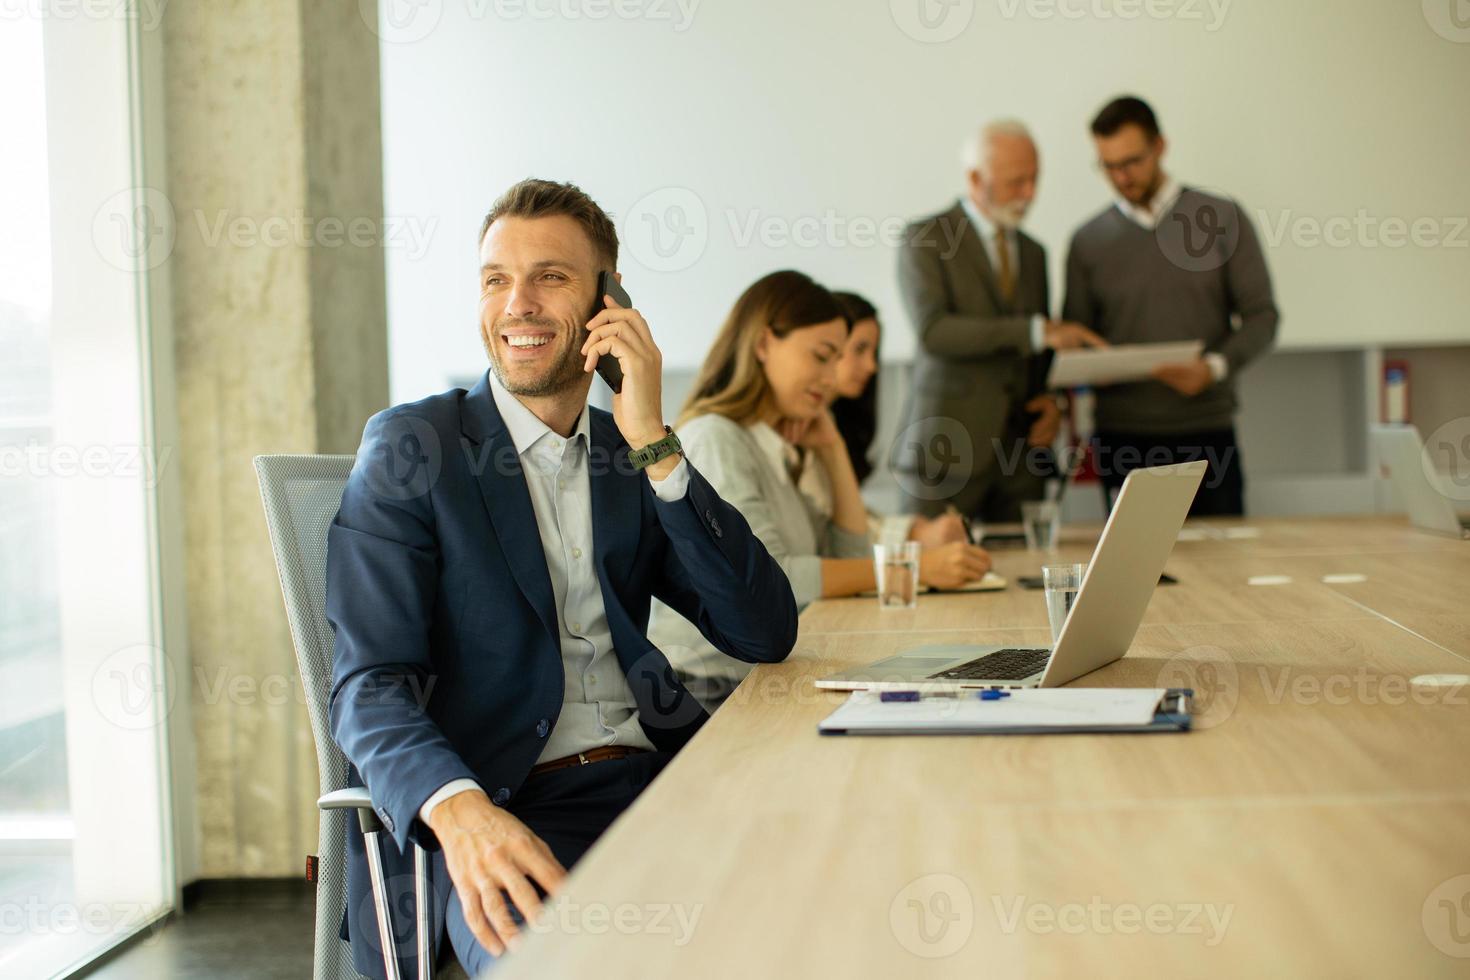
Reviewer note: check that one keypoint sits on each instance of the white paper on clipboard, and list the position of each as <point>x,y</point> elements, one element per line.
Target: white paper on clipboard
<point>1036,709</point>
<point>1116,365</point>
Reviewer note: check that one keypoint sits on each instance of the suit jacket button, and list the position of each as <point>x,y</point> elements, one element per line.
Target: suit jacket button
<point>542,727</point>
<point>714,525</point>
<point>501,797</point>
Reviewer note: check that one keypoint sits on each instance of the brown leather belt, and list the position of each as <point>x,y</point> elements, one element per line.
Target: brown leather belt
<point>585,758</point>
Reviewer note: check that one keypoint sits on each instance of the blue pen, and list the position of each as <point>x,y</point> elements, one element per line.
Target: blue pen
<point>993,695</point>
<point>899,696</point>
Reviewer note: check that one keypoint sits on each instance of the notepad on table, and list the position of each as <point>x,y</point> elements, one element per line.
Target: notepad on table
<point>990,583</point>
<point>1023,711</point>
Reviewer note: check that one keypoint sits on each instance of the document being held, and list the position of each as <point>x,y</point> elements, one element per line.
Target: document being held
<point>1116,365</point>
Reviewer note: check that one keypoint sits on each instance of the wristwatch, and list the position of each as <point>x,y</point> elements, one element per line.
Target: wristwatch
<point>655,451</point>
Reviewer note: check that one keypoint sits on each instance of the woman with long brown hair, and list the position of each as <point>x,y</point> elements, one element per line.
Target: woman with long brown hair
<point>762,396</point>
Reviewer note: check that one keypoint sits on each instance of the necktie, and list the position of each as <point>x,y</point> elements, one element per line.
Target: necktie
<point>1006,274</point>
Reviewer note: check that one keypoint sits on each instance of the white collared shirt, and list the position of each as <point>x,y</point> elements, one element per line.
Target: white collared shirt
<point>598,707</point>
<point>1149,215</point>
<point>986,229</point>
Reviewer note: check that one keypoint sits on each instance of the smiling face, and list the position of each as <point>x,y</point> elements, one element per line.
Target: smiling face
<point>801,367</point>
<point>859,361</point>
<point>538,279</point>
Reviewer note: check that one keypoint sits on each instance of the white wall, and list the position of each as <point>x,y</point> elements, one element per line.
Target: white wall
<point>825,122</point>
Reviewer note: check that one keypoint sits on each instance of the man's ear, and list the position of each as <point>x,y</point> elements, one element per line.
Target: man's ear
<point>1161,146</point>
<point>974,181</point>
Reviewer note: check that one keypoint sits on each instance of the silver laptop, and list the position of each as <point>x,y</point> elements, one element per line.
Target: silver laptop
<point>1401,459</point>
<point>1125,569</point>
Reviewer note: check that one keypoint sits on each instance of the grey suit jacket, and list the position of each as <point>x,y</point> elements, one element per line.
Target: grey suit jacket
<point>974,365</point>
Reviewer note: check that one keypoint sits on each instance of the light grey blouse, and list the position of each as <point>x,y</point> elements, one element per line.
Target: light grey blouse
<point>747,466</point>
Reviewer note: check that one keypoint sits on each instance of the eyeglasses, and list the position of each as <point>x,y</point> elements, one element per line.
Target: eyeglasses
<point>1131,163</point>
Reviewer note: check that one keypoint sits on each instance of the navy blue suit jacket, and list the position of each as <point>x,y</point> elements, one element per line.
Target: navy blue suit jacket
<point>447,662</point>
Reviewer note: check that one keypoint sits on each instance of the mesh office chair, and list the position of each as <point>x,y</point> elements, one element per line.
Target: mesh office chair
<point>301,496</point>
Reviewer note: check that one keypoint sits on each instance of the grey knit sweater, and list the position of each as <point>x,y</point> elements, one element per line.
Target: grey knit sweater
<point>1201,275</point>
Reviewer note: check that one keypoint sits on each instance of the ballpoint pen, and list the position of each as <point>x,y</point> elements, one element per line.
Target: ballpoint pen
<point>964,522</point>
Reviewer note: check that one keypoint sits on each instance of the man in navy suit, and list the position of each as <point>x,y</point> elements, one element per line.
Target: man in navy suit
<point>489,576</point>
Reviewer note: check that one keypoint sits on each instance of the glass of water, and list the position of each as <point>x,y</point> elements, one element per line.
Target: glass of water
<point>897,569</point>
<point>1042,522</point>
<point>1062,583</point>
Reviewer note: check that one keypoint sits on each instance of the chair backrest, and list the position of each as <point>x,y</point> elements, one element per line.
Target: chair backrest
<point>301,496</point>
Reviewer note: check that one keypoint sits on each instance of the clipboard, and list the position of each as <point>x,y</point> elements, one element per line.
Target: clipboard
<point>1171,715</point>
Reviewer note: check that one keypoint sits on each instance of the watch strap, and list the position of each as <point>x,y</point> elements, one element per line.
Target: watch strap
<point>668,446</point>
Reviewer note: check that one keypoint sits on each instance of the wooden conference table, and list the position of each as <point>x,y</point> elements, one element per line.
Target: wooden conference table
<point>1316,822</point>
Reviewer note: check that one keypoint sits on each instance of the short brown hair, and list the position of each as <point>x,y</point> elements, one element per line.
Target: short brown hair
<point>1127,110</point>
<point>533,198</point>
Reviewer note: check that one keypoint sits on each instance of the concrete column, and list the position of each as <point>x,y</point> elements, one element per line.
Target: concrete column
<point>274,172</point>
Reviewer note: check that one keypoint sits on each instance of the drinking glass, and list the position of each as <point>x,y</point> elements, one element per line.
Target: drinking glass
<point>1062,583</point>
<point>897,569</point>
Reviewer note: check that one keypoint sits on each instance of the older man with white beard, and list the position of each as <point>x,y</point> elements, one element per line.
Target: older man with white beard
<point>975,288</point>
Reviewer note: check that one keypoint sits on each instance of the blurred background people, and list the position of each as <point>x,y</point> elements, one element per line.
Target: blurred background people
<point>975,287</point>
<point>1169,263</point>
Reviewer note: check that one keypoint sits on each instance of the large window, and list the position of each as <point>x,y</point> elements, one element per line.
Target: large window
<point>84,692</point>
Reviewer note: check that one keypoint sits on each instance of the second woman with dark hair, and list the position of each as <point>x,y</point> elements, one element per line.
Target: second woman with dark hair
<point>855,412</point>
<point>763,390</point>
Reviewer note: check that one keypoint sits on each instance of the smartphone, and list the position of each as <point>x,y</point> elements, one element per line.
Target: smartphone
<point>607,365</point>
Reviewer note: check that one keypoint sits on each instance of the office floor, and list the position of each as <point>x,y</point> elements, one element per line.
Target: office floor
<point>249,931</point>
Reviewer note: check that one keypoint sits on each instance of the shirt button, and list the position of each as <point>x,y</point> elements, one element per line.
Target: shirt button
<point>576,552</point>
<point>561,484</point>
<point>576,627</point>
<point>501,797</point>
<point>542,727</point>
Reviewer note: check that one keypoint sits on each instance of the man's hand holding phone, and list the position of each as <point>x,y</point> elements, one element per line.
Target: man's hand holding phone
<point>621,332</point>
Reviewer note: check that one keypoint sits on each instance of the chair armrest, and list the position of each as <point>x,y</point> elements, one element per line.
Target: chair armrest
<point>353,798</point>
<point>350,798</point>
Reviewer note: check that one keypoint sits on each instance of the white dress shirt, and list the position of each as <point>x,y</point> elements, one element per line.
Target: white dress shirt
<point>598,708</point>
<point>985,228</point>
<point>1149,216</point>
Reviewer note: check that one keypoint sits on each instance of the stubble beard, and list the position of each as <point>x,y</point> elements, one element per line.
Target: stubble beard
<point>561,374</point>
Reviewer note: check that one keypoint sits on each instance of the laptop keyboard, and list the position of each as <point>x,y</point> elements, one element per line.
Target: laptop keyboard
<point>1002,665</point>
